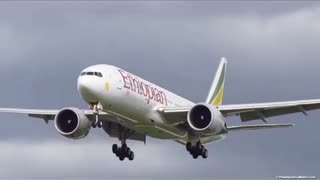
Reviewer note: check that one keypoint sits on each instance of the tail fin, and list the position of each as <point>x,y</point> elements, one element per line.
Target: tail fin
<point>215,95</point>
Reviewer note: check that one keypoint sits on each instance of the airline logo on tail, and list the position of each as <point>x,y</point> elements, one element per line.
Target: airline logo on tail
<point>217,88</point>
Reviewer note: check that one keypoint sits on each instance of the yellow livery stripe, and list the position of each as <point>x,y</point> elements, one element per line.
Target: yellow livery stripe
<point>218,100</point>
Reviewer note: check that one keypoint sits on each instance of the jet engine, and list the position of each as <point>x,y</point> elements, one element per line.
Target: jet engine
<point>72,123</point>
<point>206,119</point>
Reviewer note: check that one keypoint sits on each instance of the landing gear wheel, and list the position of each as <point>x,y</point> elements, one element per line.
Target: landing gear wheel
<point>93,124</point>
<point>118,152</point>
<point>121,158</point>
<point>201,150</point>
<point>128,150</point>
<point>197,150</point>
<point>99,124</point>
<point>205,154</point>
<point>122,152</point>
<point>195,155</point>
<point>114,148</point>
<point>192,151</point>
<point>131,156</point>
<point>189,146</point>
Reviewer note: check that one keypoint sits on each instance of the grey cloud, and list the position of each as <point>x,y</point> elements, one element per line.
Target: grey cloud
<point>92,159</point>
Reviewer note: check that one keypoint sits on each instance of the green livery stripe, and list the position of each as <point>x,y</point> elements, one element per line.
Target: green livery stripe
<point>219,86</point>
<point>218,99</point>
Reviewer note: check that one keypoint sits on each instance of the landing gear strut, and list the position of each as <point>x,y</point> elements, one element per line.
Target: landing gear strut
<point>96,107</point>
<point>197,150</point>
<point>123,151</point>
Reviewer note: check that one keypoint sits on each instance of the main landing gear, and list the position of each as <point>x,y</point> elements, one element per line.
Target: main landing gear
<point>197,150</point>
<point>123,151</point>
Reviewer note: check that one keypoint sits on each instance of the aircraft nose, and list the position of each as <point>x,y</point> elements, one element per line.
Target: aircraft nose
<point>88,89</point>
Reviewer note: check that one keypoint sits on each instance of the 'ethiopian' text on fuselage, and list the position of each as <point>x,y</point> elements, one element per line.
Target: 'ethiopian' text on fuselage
<point>136,85</point>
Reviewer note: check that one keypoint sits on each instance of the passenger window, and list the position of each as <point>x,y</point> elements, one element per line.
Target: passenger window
<point>90,73</point>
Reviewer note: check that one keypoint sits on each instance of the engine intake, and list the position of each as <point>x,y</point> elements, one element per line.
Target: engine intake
<point>206,119</point>
<point>200,117</point>
<point>72,123</point>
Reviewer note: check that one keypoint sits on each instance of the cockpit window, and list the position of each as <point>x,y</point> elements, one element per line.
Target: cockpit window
<point>99,74</point>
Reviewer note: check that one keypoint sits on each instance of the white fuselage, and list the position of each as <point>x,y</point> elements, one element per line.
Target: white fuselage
<point>133,101</point>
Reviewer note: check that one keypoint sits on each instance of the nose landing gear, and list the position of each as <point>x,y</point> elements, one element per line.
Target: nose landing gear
<point>96,123</point>
<point>96,107</point>
<point>197,150</point>
<point>123,151</point>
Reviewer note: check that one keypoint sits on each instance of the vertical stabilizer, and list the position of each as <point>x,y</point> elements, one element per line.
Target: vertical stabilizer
<point>215,95</point>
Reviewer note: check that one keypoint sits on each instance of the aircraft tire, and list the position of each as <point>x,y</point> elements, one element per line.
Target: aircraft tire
<point>114,148</point>
<point>99,124</point>
<point>195,155</point>
<point>131,156</point>
<point>189,146</point>
<point>121,157</point>
<point>127,152</point>
<point>201,150</point>
<point>205,154</point>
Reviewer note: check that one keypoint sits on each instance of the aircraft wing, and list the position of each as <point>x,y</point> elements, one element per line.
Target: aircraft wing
<point>48,114</point>
<point>247,112</point>
<point>45,114</point>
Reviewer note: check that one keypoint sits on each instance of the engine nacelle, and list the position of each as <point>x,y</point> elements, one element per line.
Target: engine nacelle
<point>206,119</point>
<point>72,123</point>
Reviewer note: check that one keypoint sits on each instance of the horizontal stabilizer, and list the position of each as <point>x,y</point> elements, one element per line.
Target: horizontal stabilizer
<point>258,127</point>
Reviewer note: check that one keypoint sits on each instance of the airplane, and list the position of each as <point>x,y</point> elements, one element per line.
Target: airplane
<point>128,107</point>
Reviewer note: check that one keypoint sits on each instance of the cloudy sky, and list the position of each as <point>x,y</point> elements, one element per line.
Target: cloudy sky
<point>273,53</point>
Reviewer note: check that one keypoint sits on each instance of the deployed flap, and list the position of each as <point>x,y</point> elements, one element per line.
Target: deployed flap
<point>258,127</point>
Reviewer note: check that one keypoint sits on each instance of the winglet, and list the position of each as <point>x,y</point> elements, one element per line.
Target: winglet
<point>215,95</point>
